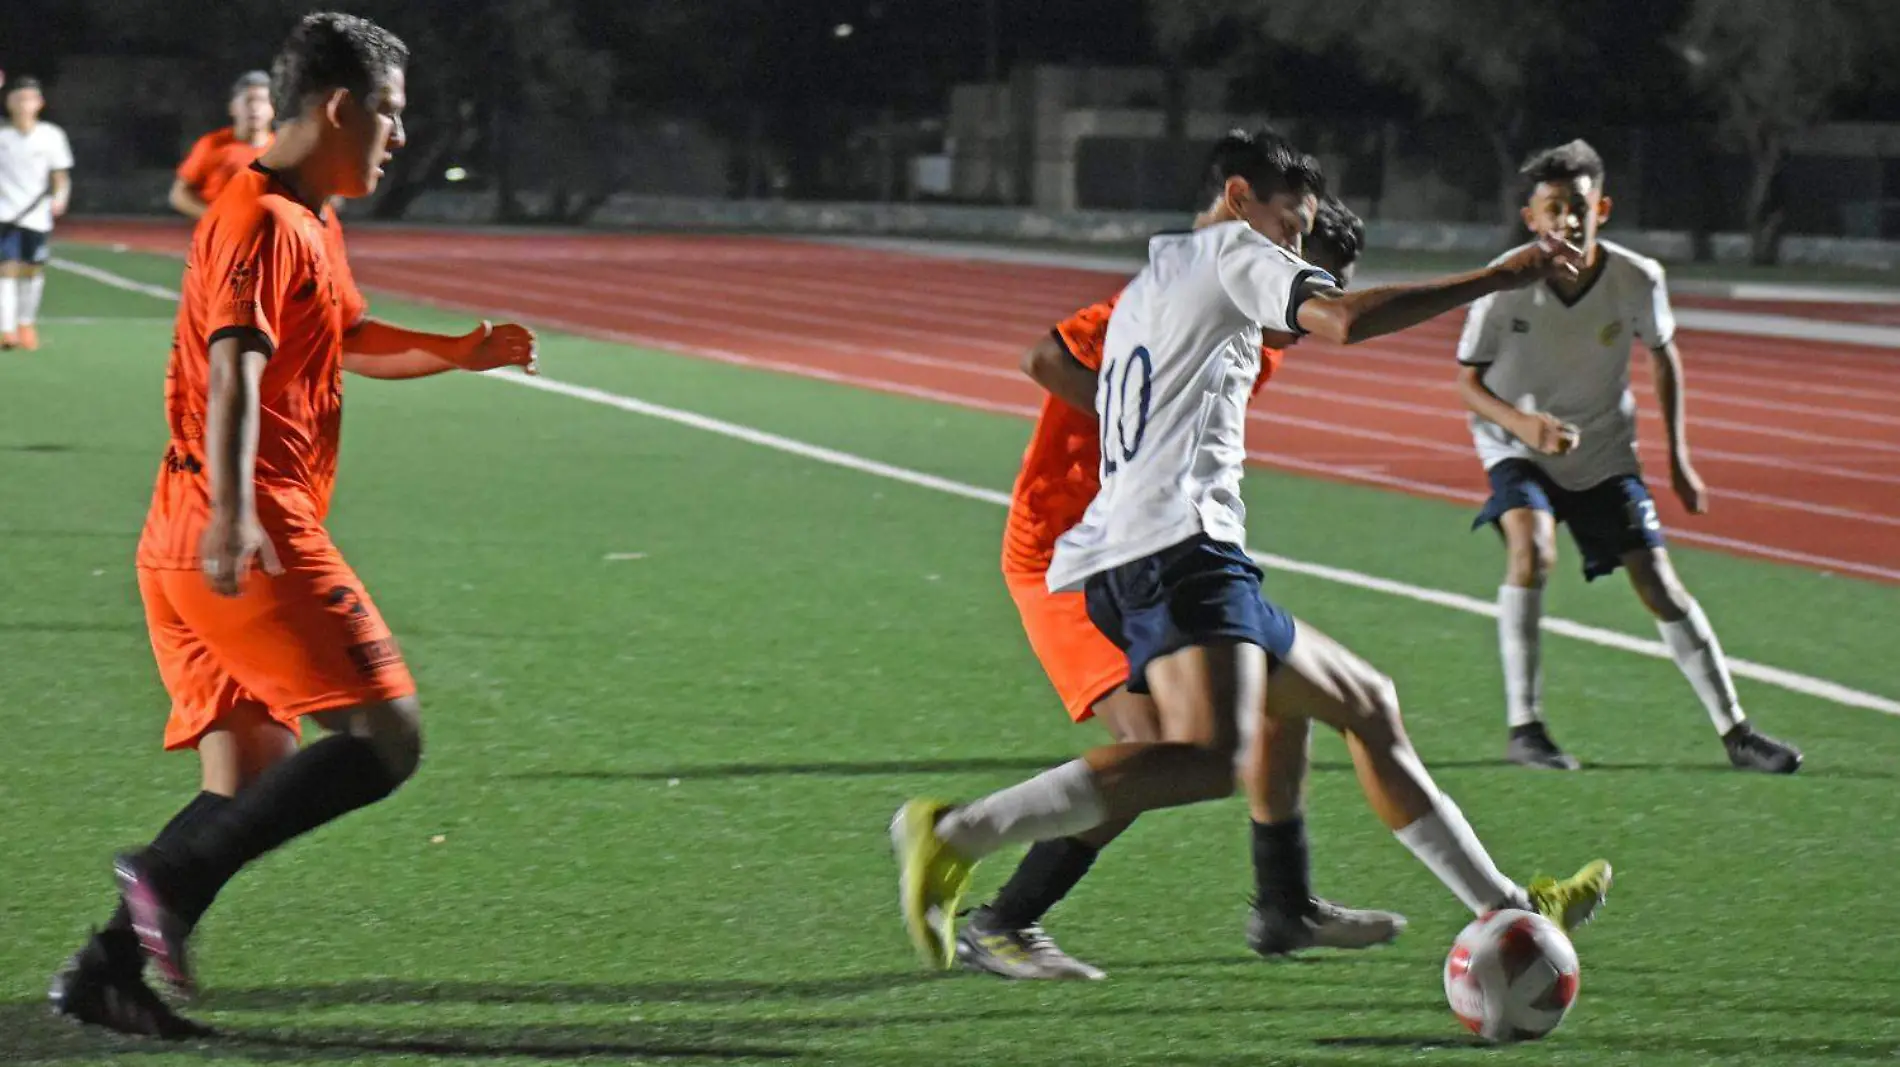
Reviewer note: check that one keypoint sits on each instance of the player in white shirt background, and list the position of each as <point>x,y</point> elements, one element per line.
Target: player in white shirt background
<point>1160,557</point>
<point>36,165</point>
<point>1545,373</point>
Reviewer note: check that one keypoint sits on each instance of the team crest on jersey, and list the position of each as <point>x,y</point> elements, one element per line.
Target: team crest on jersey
<point>1520,326</point>
<point>243,283</point>
<point>1609,333</point>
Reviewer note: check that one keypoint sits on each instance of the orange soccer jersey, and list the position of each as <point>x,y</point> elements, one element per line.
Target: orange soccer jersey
<point>214,160</point>
<point>268,263</point>
<point>309,639</point>
<point>1060,475</point>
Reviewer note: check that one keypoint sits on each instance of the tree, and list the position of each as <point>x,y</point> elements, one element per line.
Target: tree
<point>1773,68</point>
<point>1469,59</point>
<point>474,63</point>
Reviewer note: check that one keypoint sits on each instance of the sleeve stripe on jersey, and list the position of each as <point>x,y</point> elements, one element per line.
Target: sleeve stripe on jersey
<point>243,334</point>
<point>1462,361</point>
<point>1056,333</point>
<point>1300,294</point>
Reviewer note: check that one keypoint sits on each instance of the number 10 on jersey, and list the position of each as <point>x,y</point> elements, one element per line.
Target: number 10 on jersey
<point>1122,428</point>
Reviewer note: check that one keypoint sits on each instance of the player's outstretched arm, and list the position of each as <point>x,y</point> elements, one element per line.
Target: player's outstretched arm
<point>1049,364</point>
<point>1351,317</point>
<point>233,539</point>
<point>376,349</point>
<point>1666,363</point>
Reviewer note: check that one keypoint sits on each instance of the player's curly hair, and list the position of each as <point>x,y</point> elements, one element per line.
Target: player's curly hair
<point>1566,162</point>
<point>1338,230</point>
<point>331,50</point>
<point>1269,162</point>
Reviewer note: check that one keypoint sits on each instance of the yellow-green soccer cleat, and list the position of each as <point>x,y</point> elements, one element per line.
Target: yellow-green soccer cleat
<point>1575,900</point>
<point>931,881</point>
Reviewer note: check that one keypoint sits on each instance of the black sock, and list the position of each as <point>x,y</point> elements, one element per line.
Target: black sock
<point>325,781</point>
<point>117,935</point>
<point>1282,870</point>
<point>1045,876</point>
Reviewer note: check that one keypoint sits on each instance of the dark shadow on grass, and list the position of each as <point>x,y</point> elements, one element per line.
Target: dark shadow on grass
<point>42,447</point>
<point>711,991</point>
<point>564,1043</point>
<point>1807,770</point>
<point>828,769</point>
<point>36,1038</point>
<point>985,764</point>
<point>1705,766</point>
<point>1408,1042</point>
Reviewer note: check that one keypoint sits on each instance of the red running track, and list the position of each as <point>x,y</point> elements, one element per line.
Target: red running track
<point>1798,440</point>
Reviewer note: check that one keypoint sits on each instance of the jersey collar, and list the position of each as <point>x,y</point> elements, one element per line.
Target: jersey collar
<point>278,180</point>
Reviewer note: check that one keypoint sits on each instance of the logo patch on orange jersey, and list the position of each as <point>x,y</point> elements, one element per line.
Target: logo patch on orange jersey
<point>371,657</point>
<point>243,282</point>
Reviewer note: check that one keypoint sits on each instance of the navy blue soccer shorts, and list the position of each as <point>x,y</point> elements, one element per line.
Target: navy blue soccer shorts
<point>1198,592</point>
<point>1608,520</point>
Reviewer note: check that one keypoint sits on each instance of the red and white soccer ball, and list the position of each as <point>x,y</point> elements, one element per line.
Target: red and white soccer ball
<point>1511,976</point>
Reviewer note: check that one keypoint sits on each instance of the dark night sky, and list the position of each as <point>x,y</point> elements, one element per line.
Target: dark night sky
<point>907,53</point>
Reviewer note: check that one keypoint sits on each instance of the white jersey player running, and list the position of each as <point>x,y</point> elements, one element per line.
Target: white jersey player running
<point>36,165</point>
<point>1545,372</point>
<point>1161,559</point>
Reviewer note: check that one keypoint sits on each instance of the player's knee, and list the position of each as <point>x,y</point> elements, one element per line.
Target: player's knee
<point>1529,559</point>
<point>1375,705</point>
<point>394,731</point>
<point>1658,587</point>
<point>1129,717</point>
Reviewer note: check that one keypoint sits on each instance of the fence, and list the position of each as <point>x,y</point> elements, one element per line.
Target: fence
<point>1677,179</point>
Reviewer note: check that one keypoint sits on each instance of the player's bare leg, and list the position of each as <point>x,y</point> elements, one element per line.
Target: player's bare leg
<point>103,984</point>
<point>1322,680</point>
<point>1698,654</point>
<point>373,749</point>
<point>1286,915</point>
<point>1005,937</point>
<point>1530,551</point>
<point>1202,694</point>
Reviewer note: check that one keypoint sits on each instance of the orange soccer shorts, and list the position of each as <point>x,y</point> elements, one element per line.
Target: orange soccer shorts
<point>304,641</point>
<point>1083,665</point>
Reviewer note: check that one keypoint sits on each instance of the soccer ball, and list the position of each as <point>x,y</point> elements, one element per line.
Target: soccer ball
<point>1511,976</point>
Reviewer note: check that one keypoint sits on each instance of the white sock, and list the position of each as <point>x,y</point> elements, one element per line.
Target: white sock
<point>9,305</point>
<point>1520,646</point>
<point>1055,803</point>
<point>1699,655</point>
<point>31,287</point>
<point>1445,842</point>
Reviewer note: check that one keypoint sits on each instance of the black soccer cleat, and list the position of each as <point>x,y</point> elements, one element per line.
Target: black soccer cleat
<point>1276,932</point>
<point>1751,750</point>
<point>1531,746</point>
<point>99,987</point>
<point>162,932</point>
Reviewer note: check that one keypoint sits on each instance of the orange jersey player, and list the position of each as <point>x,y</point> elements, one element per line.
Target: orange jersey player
<point>1059,478</point>
<point>256,620</point>
<point>221,155</point>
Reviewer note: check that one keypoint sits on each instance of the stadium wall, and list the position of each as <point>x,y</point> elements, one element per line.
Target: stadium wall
<point>1087,227</point>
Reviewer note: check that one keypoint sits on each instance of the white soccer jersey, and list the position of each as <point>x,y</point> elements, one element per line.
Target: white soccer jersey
<point>1571,360</point>
<point>27,163</point>
<point>1178,368</point>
